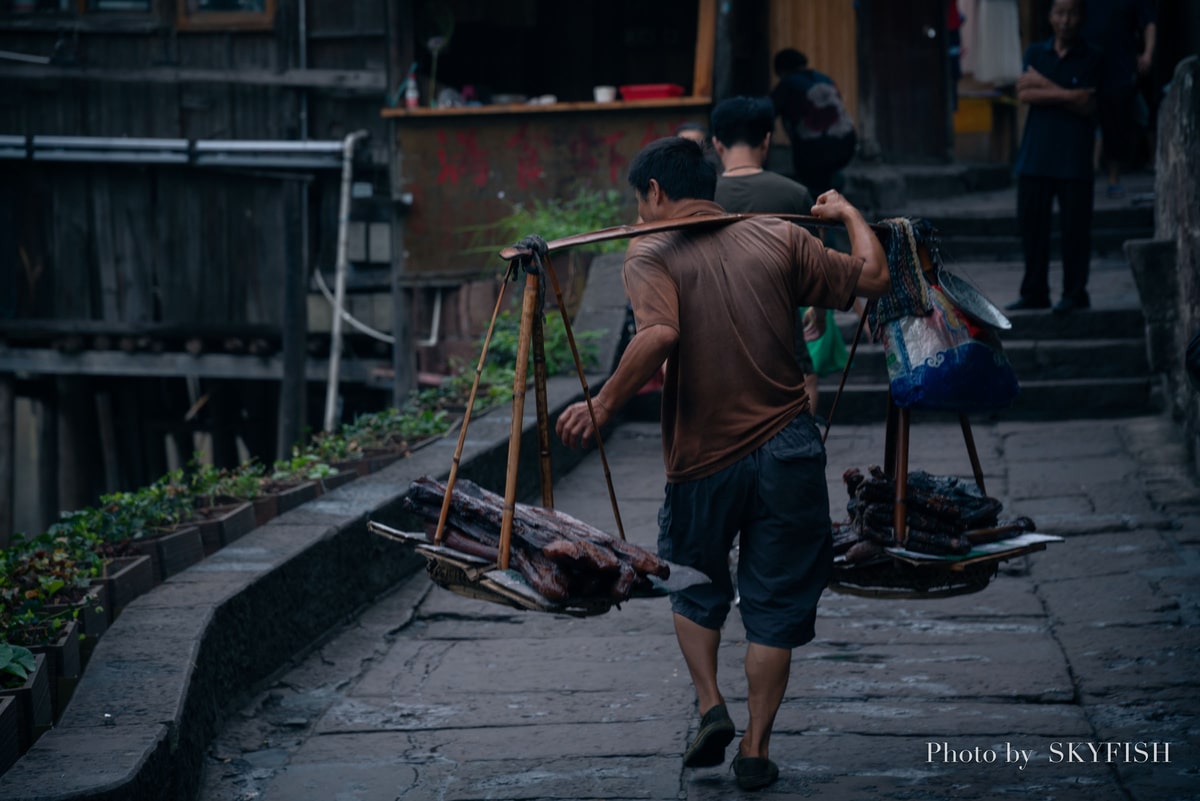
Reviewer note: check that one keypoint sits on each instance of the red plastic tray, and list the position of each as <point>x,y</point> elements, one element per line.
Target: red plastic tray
<point>649,91</point>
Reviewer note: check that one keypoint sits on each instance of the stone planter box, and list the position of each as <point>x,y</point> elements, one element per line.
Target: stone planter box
<point>221,525</point>
<point>33,705</point>
<point>172,551</point>
<point>277,499</point>
<point>126,577</point>
<point>10,726</point>
<point>64,660</point>
<point>333,482</point>
<point>92,611</point>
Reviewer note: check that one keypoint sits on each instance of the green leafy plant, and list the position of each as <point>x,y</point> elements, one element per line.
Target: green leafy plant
<point>16,663</point>
<point>589,210</point>
<point>302,466</point>
<point>559,359</point>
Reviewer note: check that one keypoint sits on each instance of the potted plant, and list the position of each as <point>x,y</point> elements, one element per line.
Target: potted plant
<point>220,523</point>
<point>153,521</point>
<point>23,678</point>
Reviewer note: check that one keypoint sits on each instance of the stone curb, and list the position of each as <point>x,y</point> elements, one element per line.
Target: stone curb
<point>182,657</point>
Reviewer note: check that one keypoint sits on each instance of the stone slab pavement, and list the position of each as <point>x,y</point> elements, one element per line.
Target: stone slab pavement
<point>1001,693</point>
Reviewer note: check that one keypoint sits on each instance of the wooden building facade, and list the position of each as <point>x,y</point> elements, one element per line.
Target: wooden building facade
<point>170,174</point>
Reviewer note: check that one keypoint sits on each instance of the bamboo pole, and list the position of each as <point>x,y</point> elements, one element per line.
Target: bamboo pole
<point>972,453</point>
<point>900,515</point>
<point>528,311</point>
<point>440,533</point>
<point>543,411</point>
<point>862,322</point>
<point>625,231</point>
<point>587,395</point>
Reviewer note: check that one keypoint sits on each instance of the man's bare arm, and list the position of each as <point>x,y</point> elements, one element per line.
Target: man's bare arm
<point>874,280</point>
<point>645,353</point>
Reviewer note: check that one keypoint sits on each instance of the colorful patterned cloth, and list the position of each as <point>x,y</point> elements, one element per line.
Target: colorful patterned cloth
<point>909,295</point>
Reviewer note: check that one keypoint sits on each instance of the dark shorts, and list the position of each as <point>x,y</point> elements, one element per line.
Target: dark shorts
<point>777,500</point>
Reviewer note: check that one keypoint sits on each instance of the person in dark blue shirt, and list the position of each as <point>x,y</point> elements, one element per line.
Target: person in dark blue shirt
<point>1055,159</point>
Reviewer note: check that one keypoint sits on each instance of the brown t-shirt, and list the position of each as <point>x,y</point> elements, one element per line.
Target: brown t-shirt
<point>731,291</point>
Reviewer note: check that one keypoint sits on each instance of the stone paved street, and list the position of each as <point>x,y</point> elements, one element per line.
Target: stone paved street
<point>428,695</point>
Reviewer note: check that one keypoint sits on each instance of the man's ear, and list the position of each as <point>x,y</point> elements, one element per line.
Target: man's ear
<point>654,193</point>
<point>766,142</point>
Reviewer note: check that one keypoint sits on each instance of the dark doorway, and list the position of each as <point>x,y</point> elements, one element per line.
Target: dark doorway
<point>903,62</point>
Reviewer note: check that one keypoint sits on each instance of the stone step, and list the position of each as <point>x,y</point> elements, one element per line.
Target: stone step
<point>1085,398</point>
<point>1089,325</point>
<point>1033,360</point>
<point>964,221</point>
<point>1106,243</point>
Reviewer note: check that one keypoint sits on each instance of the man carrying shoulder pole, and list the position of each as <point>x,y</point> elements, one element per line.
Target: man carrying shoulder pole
<point>742,456</point>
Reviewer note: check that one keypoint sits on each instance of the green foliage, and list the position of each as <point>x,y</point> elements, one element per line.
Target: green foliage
<point>165,503</point>
<point>559,359</point>
<point>16,663</point>
<point>54,568</point>
<point>303,466</point>
<point>589,210</point>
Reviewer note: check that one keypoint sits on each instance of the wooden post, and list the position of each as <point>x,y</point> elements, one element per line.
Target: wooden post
<point>106,426</point>
<point>900,513</point>
<point>8,446</point>
<point>46,414</point>
<point>293,385</point>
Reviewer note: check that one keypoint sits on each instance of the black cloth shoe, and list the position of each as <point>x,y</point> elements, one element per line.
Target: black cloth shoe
<point>1021,304</point>
<point>754,773</point>
<point>1068,305</point>
<point>716,732</point>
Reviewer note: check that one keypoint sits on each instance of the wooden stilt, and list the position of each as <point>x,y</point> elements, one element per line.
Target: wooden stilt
<point>440,533</point>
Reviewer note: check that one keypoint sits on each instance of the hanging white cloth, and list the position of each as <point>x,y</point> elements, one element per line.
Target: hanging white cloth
<point>969,10</point>
<point>998,42</point>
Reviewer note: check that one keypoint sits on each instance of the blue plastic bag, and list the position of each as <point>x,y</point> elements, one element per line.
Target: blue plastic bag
<point>934,362</point>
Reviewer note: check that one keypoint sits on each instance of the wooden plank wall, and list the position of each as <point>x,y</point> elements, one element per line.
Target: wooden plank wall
<point>134,244</point>
<point>826,32</point>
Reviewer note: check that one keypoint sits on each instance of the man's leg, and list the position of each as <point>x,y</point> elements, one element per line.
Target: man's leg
<point>1035,198</point>
<point>1075,200</point>
<point>699,646</point>
<point>767,671</point>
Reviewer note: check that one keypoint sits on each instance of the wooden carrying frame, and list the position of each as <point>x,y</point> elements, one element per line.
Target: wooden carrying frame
<point>898,576</point>
<point>476,577</point>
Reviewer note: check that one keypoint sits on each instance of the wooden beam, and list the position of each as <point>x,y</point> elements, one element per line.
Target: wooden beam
<point>364,82</point>
<point>47,361</point>
<point>706,45</point>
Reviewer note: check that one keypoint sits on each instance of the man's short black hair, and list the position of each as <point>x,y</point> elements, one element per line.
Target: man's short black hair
<point>788,60</point>
<point>743,120</point>
<point>678,165</point>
